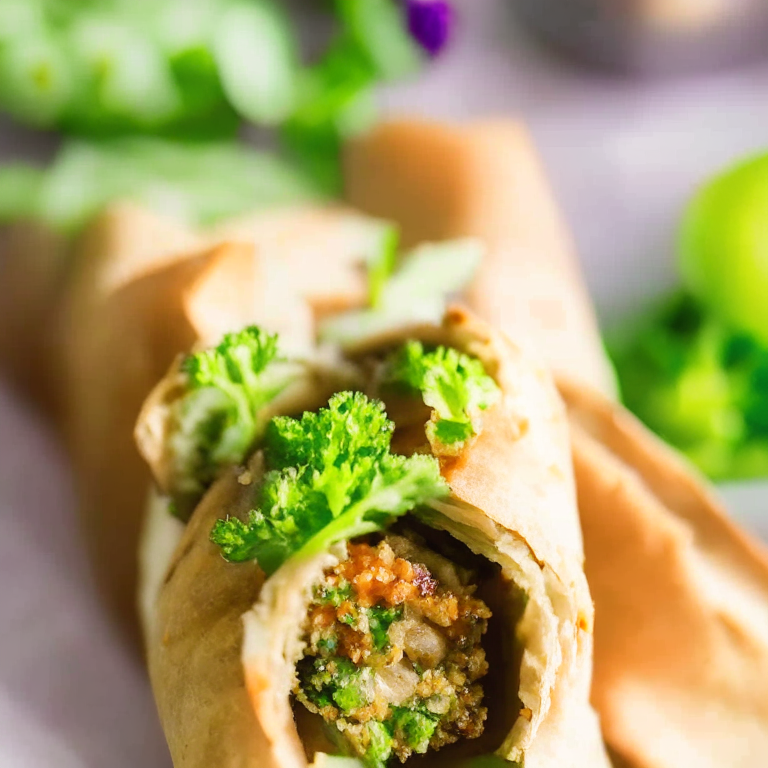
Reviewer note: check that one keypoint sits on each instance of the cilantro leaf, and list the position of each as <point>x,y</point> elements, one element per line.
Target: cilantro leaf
<point>216,421</point>
<point>332,477</point>
<point>453,384</point>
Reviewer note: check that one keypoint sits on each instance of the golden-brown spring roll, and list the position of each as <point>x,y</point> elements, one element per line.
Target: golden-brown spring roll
<point>116,352</point>
<point>681,594</point>
<point>231,651</point>
<point>32,261</point>
<point>143,290</point>
<point>681,650</point>
<point>485,180</point>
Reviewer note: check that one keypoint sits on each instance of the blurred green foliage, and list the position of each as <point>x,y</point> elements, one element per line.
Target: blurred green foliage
<point>199,69</point>
<point>700,385</point>
<point>193,181</point>
<point>695,369</point>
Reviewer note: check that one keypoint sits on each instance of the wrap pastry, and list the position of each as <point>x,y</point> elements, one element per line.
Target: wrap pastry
<point>681,594</point>
<point>141,289</point>
<point>395,575</point>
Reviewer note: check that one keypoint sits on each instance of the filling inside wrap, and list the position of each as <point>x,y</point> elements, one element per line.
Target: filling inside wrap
<point>391,626</point>
<point>397,651</point>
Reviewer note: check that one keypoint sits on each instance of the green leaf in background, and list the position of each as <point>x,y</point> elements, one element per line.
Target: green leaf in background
<point>194,69</point>
<point>185,33</point>
<point>334,101</point>
<point>124,76</point>
<point>700,385</point>
<point>36,78</point>
<point>197,182</point>
<point>20,18</point>
<point>724,246</point>
<point>254,49</point>
<point>381,266</point>
<point>378,27</point>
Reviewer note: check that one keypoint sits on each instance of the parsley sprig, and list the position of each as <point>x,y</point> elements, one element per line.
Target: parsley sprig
<point>453,384</point>
<point>218,418</point>
<point>331,477</point>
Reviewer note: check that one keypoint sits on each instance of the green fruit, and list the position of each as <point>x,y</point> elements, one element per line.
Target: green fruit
<point>724,246</point>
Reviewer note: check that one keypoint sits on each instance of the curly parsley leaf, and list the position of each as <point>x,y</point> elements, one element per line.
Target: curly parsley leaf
<point>453,384</point>
<point>217,420</point>
<point>332,477</point>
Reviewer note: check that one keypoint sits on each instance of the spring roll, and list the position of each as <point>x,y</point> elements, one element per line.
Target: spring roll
<point>143,289</point>
<point>681,594</point>
<point>117,352</point>
<point>31,275</point>
<point>393,591</point>
<point>694,589</point>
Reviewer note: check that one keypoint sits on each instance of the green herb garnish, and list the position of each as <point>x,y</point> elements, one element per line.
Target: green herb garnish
<point>453,384</point>
<point>331,477</point>
<point>700,385</point>
<point>218,419</point>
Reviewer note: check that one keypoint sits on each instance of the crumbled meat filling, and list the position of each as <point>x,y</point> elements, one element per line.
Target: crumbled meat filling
<point>393,657</point>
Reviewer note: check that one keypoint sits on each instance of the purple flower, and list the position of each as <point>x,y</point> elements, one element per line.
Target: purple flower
<point>430,21</point>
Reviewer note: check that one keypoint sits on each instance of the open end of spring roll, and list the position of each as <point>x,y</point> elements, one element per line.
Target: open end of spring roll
<point>142,291</point>
<point>680,592</point>
<point>424,601</point>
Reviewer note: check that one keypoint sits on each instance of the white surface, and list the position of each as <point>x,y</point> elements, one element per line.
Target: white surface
<point>70,693</point>
<point>748,503</point>
<point>622,159</point>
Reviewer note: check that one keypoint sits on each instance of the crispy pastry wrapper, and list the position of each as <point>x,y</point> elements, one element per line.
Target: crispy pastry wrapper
<point>681,641</point>
<point>222,644</point>
<point>681,593</point>
<point>31,277</point>
<point>143,290</point>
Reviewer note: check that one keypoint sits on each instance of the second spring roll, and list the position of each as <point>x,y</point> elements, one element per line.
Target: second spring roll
<point>402,573</point>
<point>485,180</point>
<point>681,593</point>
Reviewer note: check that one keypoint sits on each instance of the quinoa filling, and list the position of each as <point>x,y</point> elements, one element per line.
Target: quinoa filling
<point>393,653</point>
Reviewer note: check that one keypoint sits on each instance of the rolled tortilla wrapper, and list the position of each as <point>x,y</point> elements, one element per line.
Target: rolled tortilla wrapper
<point>485,180</point>
<point>681,645</point>
<point>144,289</point>
<point>116,354</point>
<point>48,284</point>
<point>224,642</point>
<point>31,276</point>
<point>680,591</point>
